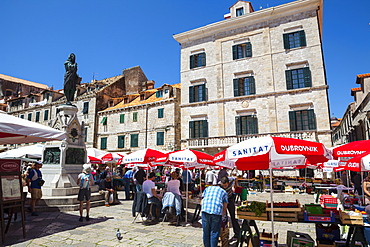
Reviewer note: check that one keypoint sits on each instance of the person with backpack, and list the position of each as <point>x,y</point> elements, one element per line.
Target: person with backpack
<point>85,180</point>
<point>34,182</point>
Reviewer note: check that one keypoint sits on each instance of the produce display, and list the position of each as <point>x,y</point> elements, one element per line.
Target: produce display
<point>285,205</point>
<point>257,207</point>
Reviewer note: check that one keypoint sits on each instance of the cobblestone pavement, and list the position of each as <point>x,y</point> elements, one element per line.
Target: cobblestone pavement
<point>64,229</point>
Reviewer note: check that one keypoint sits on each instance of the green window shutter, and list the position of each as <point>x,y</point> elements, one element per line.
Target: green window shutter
<point>191,129</point>
<point>103,143</point>
<point>289,81</point>
<point>286,41</point>
<point>85,135</point>
<point>236,87</point>
<point>252,87</point>
<point>160,138</point>
<point>311,119</point>
<point>37,116</point>
<point>203,62</point>
<point>203,88</point>
<point>237,126</point>
<point>302,38</point>
<point>248,49</point>
<point>157,94</point>
<point>191,94</point>
<point>134,116</point>
<point>29,117</point>
<point>121,118</point>
<point>292,121</point>
<point>254,125</point>
<point>235,52</point>
<point>121,141</point>
<point>22,116</point>
<point>86,108</point>
<point>104,121</point>
<point>205,128</point>
<point>160,113</point>
<point>192,65</point>
<point>307,77</point>
<point>134,140</point>
<point>46,115</point>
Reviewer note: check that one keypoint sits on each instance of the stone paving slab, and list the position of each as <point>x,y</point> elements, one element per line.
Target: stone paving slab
<point>64,229</point>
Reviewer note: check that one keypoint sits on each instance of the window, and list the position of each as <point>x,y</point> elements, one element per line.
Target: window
<point>29,117</point>
<point>103,143</point>
<point>244,86</point>
<point>197,93</point>
<point>298,78</point>
<point>302,120</point>
<point>8,92</point>
<point>198,129</point>
<point>134,140</point>
<point>37,117</point>
<point>46,115</point>
<point>32,99</point>
<point>160,138</point>
<point>295,39</point>
<point>104,121</point>
<point>121,141</point>
<point>246,125</point>
<point>198,60</point>
<point>239,12</point>
<point>160,113</point>
<point>122,118</point>
<point>134,117</point>
<point>159,94</point>
<point>85,110</point>
<point>242,50</point>
<point>22,116</point>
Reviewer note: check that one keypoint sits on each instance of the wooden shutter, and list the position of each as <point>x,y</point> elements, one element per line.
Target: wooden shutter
<point>248,49</point>
<point>160,138</point>
<point>121,141</point>
<point>236,87</point>
<point>252,125</point>
<point>203,62</point>
<point>307,77</point>
<point>122,118</point>
<point>205,128</point>
<point>191,129</point>
<point>103,143</point>
<point>192,62</point>
<point>302,38</point>
<point>286,41</point>
<point>86,108</point>
<point>289,81</point>
<point>204,92</point>
<point>46,115</point>
<point>311,119</point>
<point>191,94</point>
<point>235,52</point>
<point>237,126</point>
<point>252,87</point>
<point>292,121</point>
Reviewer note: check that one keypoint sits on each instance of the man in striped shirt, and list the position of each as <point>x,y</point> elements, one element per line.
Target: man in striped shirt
<point>214,206</point>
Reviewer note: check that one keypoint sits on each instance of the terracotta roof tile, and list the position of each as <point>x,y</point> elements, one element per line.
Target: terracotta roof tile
<point>356,89</point>
<point>363,75</point>
<point>17,80</point>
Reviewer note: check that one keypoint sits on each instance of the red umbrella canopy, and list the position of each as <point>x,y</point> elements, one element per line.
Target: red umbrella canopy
<point>142,156</point>
<point>188,157</point>
<point>94,160</point>
<point>359,163</point>
<point>351,149</point>
<point>263,152</point>
<point>112,156</point>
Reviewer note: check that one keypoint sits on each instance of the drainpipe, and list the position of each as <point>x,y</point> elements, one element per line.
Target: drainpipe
<point>146,127</point>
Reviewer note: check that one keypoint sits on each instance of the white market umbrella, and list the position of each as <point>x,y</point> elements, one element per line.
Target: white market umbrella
<point>14,130</point>
<point>33,151</point>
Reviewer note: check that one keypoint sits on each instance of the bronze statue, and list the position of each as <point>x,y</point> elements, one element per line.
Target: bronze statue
<point>71,79</point>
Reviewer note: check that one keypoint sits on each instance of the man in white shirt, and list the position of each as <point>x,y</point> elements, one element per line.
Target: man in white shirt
<point>151,193</point>
<point>209,177</point>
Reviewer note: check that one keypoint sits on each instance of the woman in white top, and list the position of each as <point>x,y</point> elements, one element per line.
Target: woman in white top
<point>174,184</point>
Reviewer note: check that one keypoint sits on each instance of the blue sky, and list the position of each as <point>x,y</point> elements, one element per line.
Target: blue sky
<point>111,35</point>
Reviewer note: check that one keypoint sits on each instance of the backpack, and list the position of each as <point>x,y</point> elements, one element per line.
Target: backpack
<point>85,181</point>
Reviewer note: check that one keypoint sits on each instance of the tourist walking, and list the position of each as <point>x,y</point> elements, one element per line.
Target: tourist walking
<point>85,180</point>
<point>34,182</point>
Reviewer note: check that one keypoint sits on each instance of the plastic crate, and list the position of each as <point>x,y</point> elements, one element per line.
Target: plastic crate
<point>328,202</point>
<point>313,208</point>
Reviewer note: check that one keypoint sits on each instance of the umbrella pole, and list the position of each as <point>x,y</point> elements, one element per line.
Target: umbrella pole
<point>187,199</point>
<point>272,208</point>
<point>363,193</point>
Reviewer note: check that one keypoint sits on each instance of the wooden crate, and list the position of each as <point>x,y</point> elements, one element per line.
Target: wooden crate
<point>285,214</point>
<point>250,215</point>
<point>350,219</point>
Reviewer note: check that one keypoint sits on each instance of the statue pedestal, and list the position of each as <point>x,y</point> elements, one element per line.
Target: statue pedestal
<point>63,160</point>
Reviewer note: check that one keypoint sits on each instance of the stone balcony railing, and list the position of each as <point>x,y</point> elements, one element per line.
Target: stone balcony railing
<point>226,141</point>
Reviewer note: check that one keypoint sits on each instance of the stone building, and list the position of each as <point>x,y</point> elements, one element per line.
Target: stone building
<point>255,73</point>
<point>355,124</point>
<point>38,103</point>
<point>148,119</point>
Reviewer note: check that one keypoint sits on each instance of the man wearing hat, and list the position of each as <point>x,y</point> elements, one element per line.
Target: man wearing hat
<point>85,180</point>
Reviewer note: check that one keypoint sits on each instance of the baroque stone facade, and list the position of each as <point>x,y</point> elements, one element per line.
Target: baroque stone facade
<point>246,76</point>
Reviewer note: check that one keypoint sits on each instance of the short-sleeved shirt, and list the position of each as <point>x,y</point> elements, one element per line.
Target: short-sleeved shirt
<point>129,174</point>
<point>174,186</point>
<point>35,176</point>
<point>85,180</point>
<point>213,201</point>
<point>148,185</point>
